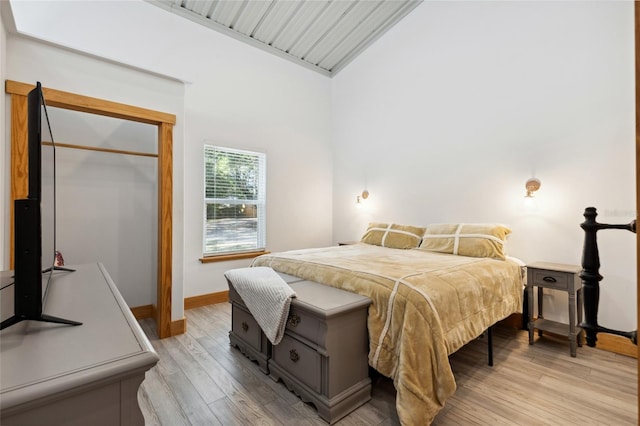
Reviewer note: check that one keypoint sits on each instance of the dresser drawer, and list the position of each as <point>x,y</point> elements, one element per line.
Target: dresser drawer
<point>245,327</point>
<point>301,361</point>
<point>304,324</point>
<point>550,279</point>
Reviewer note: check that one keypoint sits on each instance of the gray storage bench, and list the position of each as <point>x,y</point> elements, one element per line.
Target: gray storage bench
<point>323,354</point>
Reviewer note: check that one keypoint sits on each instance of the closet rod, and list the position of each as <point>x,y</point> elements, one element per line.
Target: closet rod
<point>94,148</point>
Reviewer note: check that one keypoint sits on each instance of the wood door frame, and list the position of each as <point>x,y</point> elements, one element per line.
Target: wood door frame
<point>636,13</point>
<point>164,123</point>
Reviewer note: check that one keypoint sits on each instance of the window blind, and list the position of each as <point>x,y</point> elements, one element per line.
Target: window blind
<point>234,200</point>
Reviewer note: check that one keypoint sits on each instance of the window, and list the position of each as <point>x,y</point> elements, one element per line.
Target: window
<point>234,201</point>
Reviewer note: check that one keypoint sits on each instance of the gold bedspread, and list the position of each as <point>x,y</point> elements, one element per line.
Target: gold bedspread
<point>425,306</point>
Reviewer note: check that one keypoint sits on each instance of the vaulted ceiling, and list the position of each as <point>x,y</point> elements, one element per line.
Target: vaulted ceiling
<point>324,35</point>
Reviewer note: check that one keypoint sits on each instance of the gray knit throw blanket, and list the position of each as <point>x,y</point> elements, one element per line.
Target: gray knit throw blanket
<point>267,296</point>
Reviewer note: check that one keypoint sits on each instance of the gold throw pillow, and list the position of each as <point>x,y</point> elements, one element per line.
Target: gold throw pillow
<point>393,235</point>
<point>467,239</point>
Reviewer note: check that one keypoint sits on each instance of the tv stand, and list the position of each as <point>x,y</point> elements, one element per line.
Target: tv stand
<point>87,375</point>
<point>58,268</point>
<point>42,318</point>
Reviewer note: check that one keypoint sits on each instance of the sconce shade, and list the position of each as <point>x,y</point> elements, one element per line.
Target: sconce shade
<point>363,196</point>
<point>532,186</point>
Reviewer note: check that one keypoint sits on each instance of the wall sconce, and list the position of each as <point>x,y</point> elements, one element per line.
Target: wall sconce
<point>532,186</point>
<point>363,196</point>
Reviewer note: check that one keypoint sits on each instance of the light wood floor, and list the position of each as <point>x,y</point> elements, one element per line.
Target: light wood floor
<point>201,380</point>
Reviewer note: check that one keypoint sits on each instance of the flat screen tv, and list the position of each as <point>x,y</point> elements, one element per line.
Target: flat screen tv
<point>28,271</point>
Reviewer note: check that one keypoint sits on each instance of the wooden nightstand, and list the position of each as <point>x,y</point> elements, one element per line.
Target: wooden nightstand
<point>557,277</point>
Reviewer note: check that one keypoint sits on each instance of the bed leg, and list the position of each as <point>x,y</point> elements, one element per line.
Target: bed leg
<point>490,345</point>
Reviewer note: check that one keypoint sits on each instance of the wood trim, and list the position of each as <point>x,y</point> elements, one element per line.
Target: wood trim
<point>206,299</point>
<point>606,342</point>
<point>164,121</point>
<point>75,102</point>
<point>165,229</point>
<point>179,327</point>
<point>149,311</point>
<point>234,256</point>
<point>636,13</point>
<point>19,160</point>
<point>617,344</point>
<point>143,312</point>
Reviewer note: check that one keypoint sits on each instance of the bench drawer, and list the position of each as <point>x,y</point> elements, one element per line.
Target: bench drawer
<point>300,360</point>
<point>304,324</point>
<point>245,327</point>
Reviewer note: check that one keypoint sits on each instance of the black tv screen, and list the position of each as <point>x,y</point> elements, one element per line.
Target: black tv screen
<point>27,220</point>
<point>34,124</point>
<point>28,275</point>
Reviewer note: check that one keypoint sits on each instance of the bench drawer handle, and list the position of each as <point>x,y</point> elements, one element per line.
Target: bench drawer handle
<point>294,320</point>
<point>245,326</point>
<point>293,354</point>
<point>549,279</point>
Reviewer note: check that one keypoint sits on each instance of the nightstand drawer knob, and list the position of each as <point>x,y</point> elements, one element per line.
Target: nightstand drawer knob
<point>549,279</point>
<point>245,326</point>
<point>294,356</point>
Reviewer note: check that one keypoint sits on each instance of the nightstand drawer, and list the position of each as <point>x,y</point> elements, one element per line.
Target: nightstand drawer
<point>550,279</point>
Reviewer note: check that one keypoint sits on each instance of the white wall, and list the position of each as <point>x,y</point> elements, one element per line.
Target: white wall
<point>236,96</point>
<point>447,115</point>
<point>6,303</point>
<point>284,113</point>
<point>106,204</point>
<point>6,26</point>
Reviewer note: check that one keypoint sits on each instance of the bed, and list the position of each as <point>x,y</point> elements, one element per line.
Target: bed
<point>433,289</point>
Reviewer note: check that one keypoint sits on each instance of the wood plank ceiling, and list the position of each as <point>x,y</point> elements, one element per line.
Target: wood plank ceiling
<point>324,35</point>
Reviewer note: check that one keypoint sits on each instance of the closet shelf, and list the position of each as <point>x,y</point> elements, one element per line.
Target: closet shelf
<point>96,148</point>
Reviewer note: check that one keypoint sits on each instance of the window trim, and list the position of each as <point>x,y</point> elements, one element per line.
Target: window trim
<point>213,258</point>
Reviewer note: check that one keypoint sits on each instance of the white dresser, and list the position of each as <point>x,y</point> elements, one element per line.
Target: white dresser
<point>75,375</point>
